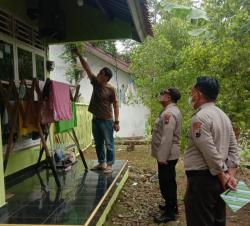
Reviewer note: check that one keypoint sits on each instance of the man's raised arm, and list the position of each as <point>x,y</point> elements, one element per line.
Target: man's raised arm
<point>84,63</point>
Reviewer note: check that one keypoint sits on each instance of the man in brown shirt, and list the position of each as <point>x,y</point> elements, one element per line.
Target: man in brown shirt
<point>103,125</point>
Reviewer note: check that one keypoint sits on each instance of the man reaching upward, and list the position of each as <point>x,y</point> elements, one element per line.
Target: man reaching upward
<point>103,123</point>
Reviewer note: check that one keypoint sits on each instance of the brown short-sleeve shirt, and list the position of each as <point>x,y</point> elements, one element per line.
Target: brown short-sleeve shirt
<point>101,100</point>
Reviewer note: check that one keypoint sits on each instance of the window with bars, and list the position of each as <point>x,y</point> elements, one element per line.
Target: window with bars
<point>25,64</point>
<point>6,61</point>
<point>24,50</point>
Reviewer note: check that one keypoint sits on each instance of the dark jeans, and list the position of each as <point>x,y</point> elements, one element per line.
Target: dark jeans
<point>203,204</point>
<point>168,185</point>
<point>103,134</point>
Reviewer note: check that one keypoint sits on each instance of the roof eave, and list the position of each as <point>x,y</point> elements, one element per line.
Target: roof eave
<point>120,64</point>
<point>139,13</point>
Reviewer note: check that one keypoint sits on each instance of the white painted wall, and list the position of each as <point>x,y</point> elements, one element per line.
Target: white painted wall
<point>132,117</point>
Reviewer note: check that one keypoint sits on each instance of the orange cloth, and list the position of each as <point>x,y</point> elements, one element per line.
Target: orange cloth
<point>31,127</point>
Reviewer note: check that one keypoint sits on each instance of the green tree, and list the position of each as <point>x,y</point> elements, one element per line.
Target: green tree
<point>225,54</point>
<point>108,46</point>
<point>155,64</point>
<point>177,55</point>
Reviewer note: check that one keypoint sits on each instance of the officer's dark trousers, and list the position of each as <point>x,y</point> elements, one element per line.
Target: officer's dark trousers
<point>168,185</point>
<point>203,204</point>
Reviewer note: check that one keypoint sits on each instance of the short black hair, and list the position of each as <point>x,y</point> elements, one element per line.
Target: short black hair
<point>173,93</point>
<point>208,86</point>
<point>107,72</point>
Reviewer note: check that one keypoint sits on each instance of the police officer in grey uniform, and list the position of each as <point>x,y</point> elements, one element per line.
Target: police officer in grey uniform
<point>166,150</point>
<point>211,158</point>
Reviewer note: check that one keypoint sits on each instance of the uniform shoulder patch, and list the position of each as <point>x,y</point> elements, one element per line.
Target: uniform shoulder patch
<point>197,129</point>
<point>197,125</point>
<point>167,117</point>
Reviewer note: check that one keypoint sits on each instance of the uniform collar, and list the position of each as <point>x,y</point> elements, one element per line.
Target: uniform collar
<point>203,106</point>
<point>206,105</point>
<point>170,105</point>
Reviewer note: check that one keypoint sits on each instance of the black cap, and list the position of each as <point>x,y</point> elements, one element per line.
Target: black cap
<point>173,92</point>
<point>208,86</point>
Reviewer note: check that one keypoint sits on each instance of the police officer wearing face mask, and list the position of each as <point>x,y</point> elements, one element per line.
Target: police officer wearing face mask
<point>166,149</point>
<point>211,158</point>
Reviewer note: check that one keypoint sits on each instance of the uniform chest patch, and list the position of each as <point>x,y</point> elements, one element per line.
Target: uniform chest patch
<point>167,118</point>
<point>196,127</point>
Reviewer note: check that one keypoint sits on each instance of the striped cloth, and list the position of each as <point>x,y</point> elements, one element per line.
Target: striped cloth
<point>237,199</point>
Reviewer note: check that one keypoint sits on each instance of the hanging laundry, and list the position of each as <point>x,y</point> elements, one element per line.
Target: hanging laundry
<point>5,125</point>
<point>47,115</point>
<point>60,101</point>
<point>9,123</point>
<point>22,91</point>
<point>32,119</point>
<point>66,125</point>
<point>5,117</point>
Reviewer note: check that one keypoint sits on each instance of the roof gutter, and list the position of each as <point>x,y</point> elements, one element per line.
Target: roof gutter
<point>138,18</point>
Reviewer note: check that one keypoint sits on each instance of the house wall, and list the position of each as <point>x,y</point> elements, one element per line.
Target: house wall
<point>26,157</point>
<point>104,29</point>
<point>18,9</point>
<point>133,117</point>
<point>28,154</point>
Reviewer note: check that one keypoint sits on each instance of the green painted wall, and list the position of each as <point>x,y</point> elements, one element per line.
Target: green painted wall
<point>21,159</point>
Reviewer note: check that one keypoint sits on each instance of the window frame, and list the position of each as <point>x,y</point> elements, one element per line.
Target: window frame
<point>34,51</point>
<point>44,63</point>
<point>9,40</point>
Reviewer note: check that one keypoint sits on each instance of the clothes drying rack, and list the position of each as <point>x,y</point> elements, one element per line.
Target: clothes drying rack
<point>9,92</point>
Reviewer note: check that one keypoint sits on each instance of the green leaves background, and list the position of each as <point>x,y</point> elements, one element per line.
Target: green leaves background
<point>190,42</point>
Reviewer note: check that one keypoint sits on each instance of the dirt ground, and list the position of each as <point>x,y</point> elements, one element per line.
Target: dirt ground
<point>138,201</point>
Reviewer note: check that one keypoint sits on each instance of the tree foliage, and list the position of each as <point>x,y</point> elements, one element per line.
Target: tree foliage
<point>73,70</point>
<point>176,56</point>
<point>108,46</point>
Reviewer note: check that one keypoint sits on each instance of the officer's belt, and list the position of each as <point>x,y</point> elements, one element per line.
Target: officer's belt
<point>193,173</point>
